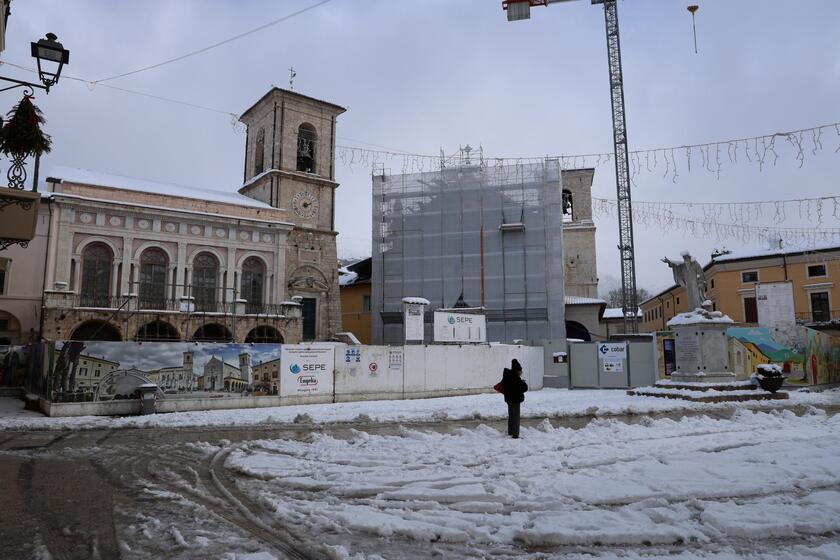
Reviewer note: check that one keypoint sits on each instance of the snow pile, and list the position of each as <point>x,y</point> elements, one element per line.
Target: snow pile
<point>700,316</point>
<point>489,406</point>
<point>663,482</point>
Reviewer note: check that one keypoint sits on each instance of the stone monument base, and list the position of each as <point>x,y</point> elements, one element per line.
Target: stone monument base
<point>717,377</point>
<point>708,392</point>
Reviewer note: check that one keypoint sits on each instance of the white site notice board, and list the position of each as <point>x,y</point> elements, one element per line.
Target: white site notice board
<point>460,327</point>
<point>612,356</point>
<point>306,370</point>
<point>774,302</point>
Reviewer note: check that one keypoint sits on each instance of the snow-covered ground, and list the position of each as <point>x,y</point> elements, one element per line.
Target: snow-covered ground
<point>539,404</point>
<point>758,485</point>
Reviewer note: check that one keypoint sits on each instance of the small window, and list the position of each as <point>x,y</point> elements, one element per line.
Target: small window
<point>96,374</point>
<point>668,304</point>
<point>259,152</point>
<point>816,270</point>
<point>568,208</point>
<point>751,276</point>
<point>712,283</point>
<point>365,303</point>
<point>83,371</point>
<point>307,141</point>
<point>678,301</point>
<point>4,268</point>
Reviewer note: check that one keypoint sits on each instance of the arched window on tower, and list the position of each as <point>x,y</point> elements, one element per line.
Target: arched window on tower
<point>253,274</point>
<point>307,139</point>
<point>153,264</point>
<point>97,262</point>
<point>259,152</point>
<point>568,207</point>
<point>204,282</point>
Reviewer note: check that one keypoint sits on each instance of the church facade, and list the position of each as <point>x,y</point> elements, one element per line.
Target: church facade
<point>129,259</point>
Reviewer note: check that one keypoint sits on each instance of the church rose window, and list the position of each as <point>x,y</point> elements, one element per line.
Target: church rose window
<point>153,263</point>
<point>253,273</point>
<point>205,275</point>
<point>97,261</point>
<point>307,138</point>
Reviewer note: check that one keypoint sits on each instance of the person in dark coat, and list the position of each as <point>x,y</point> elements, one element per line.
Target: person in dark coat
<point>513,387</point>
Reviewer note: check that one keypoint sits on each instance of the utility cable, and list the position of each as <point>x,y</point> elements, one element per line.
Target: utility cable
<point>214,45</point>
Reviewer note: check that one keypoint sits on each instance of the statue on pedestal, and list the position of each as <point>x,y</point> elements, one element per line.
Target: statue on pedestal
<point>691,276</point>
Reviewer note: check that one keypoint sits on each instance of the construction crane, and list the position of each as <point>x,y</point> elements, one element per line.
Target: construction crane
<point>521,9</point>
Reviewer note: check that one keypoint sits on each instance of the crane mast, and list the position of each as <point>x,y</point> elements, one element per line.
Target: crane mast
<point>629,300</point>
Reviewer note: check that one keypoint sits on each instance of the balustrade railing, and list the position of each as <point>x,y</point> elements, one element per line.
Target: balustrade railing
<point>818,316</point>
<point>183,304</point>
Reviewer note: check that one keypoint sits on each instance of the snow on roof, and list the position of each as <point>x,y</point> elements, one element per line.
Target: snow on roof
<point>346,277</point>
<point>577,300</point>
<point>617,313</point>
<point>88,177</point>
<point>416,300</point>
<point>758,252</point>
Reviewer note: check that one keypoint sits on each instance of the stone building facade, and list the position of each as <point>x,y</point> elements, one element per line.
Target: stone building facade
<point>290,165</point>
<point>128,259</point>
<point>176,378</point>
<point>134,260</point>
<point>579,234</point>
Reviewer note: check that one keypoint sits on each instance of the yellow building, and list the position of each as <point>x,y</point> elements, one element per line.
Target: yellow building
<point>267,377</point>
<point>92,370</point>
<point>355,289</point>
<point>732,277</point>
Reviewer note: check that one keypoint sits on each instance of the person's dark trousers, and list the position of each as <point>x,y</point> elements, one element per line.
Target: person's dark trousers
<point>513,419</point>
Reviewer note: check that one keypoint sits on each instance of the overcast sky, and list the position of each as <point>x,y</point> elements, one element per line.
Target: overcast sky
<point>421,75</point>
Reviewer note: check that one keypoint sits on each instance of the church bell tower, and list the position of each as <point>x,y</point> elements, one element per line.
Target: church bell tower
<point>290,164</point>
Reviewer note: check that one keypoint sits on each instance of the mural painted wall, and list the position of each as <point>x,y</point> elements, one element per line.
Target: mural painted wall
<point>822,358</point>
<point>750,347</point>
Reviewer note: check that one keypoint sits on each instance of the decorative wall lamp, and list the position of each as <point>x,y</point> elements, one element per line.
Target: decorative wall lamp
<point>51,56</point>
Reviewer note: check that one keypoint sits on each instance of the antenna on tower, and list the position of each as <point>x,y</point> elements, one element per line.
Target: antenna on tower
<point>292,75</point>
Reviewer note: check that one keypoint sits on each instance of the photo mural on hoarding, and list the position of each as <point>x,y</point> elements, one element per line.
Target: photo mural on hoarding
<point>822,357</point>
<point>24,366</point>
<point>89,371</point>
<point>756,346</point>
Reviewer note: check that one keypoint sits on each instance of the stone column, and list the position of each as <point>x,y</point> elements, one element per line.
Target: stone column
<point>115,278</point>
<point>64,247</point>
<point>127,254</point>
<point>172,291</point>
<point>279,270</point>
<point>179,264</point>
<point>52,244</point>
<point>232,294</point>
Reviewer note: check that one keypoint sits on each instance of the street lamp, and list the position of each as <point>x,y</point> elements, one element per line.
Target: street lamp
<point>51,56</point>
<point>49,53</point>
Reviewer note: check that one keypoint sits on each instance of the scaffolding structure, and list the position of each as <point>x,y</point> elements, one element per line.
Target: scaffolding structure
<point>471,234</point>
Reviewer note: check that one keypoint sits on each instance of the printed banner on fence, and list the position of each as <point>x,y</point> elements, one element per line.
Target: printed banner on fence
<point>460,327</point>
<point>306,370</point>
